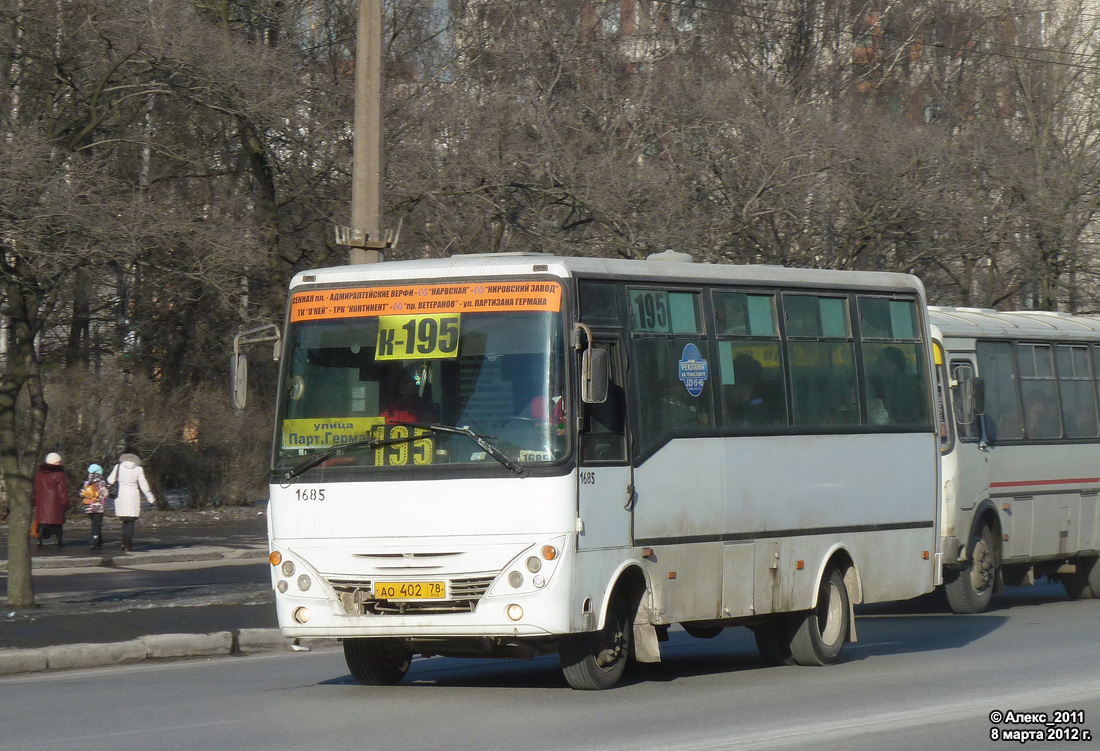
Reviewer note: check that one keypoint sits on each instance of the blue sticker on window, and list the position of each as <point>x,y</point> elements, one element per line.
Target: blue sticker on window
<point>693,370</point>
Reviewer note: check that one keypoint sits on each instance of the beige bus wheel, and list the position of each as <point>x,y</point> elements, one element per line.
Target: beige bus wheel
<point>818,635</point>
<point>969,590</point>
<point>1083,584</point>
<point>597,660</point>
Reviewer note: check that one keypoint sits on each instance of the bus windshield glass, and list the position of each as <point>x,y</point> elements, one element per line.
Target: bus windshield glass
<point>492,364</point>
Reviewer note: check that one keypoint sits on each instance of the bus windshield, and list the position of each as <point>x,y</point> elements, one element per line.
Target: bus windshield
<point>499,374</point>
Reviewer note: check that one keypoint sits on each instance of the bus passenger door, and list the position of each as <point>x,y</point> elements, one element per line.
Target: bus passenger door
<point>605,490</point>
<point>971,477</point>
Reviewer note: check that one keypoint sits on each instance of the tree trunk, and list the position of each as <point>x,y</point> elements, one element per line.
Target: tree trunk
<point>19,448</point>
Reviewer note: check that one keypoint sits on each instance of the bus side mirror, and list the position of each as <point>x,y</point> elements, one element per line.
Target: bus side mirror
<point>238,380</point>
<point>971,395</point>
<point>238,363</point>
<point>979,396</point>
<point>594,375</point>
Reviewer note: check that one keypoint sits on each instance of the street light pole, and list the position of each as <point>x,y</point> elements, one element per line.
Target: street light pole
<point>364,236</point>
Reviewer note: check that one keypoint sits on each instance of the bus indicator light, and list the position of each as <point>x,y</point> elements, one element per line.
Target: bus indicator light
<point>799,565</point>
<point>925,555</point>
<point>549,552</point>
<point>276,558</point>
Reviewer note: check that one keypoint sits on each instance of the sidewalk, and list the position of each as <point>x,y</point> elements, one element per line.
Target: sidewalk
<point>205,621</point>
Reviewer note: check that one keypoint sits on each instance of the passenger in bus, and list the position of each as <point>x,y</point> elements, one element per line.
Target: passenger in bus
<point>899,389</point>
<point>1042,416</point>
<point>876,408</point>
<point>671,408</point>
<point>404,402</point>
<point>747,398</point>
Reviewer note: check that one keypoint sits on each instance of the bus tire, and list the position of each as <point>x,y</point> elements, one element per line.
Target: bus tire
<point>774,642</point>
<point>970,589</point>
<point>597,660</point>
<point>818,635</point>
<point>701,632</point>
<point>377,662</point>
<point>1084,584</point>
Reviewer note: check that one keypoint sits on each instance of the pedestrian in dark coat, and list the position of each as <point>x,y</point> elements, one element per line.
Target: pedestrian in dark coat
<point>50,498</point>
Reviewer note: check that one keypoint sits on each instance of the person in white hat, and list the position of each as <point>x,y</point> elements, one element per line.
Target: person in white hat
<point>50,498</point>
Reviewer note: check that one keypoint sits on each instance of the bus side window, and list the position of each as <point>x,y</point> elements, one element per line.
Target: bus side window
<point>1040,391</point>
<point>824,383</point>
<point>1075,386</point>
<point>1003,415</point>
<point>894,365</point>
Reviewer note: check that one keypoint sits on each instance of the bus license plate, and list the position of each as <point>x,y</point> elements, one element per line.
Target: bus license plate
<point>422,590</point>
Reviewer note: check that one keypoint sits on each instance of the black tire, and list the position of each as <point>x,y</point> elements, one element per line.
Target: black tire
<point>702,632</point>
<point>377,662</point>
<point>969,590</point>
<point>774,642</point>
<point>818,635</point>
<point>1084,584</point>
<point>597,660</point>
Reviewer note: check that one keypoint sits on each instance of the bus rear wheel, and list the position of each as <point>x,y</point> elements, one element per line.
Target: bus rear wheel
<point>377,662</point>
<point>1083,584</point>
<point>969,590</point>
<point>597,660</point>
<point>774,642</point>
<point>817,636</point>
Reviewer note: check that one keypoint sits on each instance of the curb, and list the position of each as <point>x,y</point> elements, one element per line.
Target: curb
<point>243,641</point>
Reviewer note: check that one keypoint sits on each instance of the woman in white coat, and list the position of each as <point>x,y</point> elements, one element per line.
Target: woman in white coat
<point>131,486</point>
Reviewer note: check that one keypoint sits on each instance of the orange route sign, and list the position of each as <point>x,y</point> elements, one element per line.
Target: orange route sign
<point>420,299</point>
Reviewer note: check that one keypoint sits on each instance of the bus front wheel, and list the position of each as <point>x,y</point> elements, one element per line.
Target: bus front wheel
<point>1084,583</point>
<point>377,662</point>
<point>970,589</point>
<point>818,635</point>
<point>597,660</point>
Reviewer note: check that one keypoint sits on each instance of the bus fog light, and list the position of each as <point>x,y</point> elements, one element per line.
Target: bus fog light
<point>514,612</point>
<point>533,564</point>
<point>515,578</point>
<point>282,585</point>
<point>539,581</point>
<point>288,568</point>
<point>303,582</point>
<point>301,615</point>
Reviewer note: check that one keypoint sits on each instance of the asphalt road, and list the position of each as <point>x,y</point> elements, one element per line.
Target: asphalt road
<point>917,679</point>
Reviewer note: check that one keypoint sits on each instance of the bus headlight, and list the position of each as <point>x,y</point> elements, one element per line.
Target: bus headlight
<point>282,586</point>
<point>288,568</point>
<point>303,582</point>
<point>533,564</point>
<point>515,578</point>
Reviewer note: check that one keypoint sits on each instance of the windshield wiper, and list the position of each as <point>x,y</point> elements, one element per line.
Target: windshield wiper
<point>371,443</point>
<point>480,440</point>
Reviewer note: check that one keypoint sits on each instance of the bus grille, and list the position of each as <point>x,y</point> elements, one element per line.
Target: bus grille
<point>466,591</point>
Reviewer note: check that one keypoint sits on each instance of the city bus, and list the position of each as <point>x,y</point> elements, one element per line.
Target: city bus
<point>1021,462</point>
<point>521,455</point>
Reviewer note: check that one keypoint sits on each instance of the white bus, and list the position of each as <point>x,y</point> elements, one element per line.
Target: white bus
<point>516,455</point>
<point>1021,464</point>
